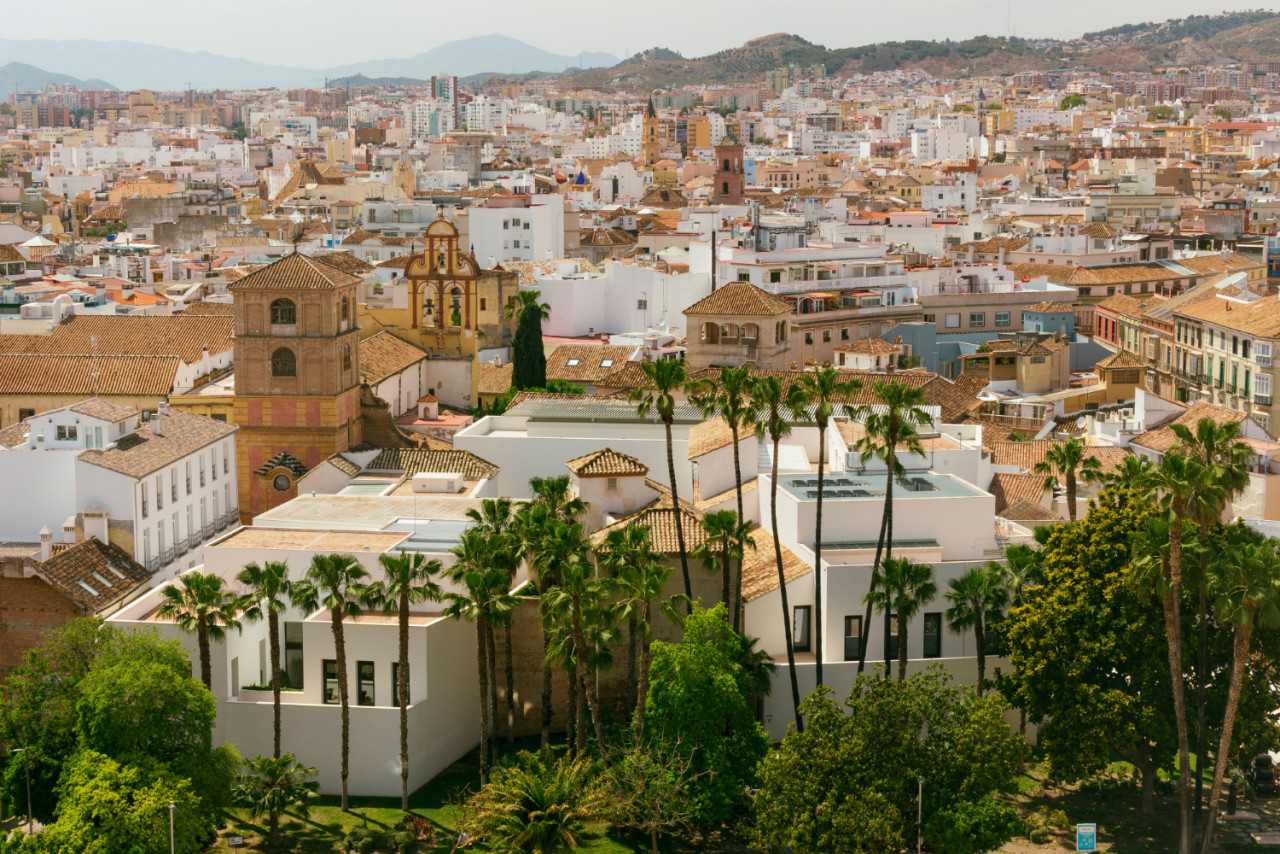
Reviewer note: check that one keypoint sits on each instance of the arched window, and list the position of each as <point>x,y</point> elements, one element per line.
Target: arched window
<point>346,357</point>
<point>726,166</point>
<point>284,363</point>
<point>455,306</point>
<point>284,313</point>
<point>346,310</point>
<point>725,187</point>
<point>710,333</point>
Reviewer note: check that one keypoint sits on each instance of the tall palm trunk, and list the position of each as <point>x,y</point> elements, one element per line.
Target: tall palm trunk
<point>980,642</point>
<point>902,647</point>
<point>865,628</point>
<point>202,644</point>
<point>340,649</point>
<point>511,684</point>
<point>632,663</point>
<point>491,646</point>
<point>580,725</point>
<point>571,711</point>
<point>402,698</point>
<point>888,537</point>
<point>1172,603</point>
<point>726,571</point>
<point>675,503</point>
<point>546,699</point>
<point>642,688</point>
<point>1239,660</point>
<point>735,607</point>
<point>588,683</point>
<point>1202,655</point>
<point>1071,494</point>
<point>273,626</point>
<point>482,666</point>
<point>817,558</point>
<point>782,590</point>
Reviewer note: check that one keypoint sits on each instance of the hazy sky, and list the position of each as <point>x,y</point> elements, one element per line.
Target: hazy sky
<point>320,33</point>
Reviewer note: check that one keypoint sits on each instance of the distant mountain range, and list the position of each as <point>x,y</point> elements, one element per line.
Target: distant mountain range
<point>144,66</point>
<point>20,77</point>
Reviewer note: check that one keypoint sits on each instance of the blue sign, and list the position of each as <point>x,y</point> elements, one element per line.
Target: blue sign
<point>1086,837</point>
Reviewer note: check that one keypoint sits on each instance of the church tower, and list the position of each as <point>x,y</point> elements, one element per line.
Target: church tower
<point>730,179</point>
<point>650,149</point>
<point>297,381</point>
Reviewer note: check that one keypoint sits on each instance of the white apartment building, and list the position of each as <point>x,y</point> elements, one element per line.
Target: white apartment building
<point>623,298</point>
<point>520,227</point>
<point>158,489</point>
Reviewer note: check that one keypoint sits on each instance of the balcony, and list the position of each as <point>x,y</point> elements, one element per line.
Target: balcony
<point>1262,399</point>
<point>799,286</point>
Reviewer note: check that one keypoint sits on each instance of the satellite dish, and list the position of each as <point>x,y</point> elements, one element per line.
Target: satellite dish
<point>1081,421</point>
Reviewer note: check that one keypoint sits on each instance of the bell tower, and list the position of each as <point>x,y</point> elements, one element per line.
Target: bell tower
<point>730,179</point>
<point>650,148</point>
<point>297,381</point>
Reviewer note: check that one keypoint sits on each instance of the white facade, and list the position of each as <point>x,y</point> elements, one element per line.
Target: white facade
<point>625,298</point>
<point>532,233</point>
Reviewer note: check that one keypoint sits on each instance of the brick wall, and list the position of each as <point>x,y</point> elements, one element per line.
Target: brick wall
<point>28,608</point>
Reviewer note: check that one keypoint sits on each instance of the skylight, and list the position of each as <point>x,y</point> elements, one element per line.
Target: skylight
<point>100,577</point>
<point>606,363</point>
<point>573,363</point>
<point>92,592</point>
<point>116,572</point>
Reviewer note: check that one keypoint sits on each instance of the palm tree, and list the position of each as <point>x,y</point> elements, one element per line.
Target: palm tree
<point>268,594</point>
<point>622,549</point>
<point>1218,448</point>
<point>579,591</point>
<point>726,540</point>
<point>272,785</point>
<point>822,386</point>
<point>495,519</point>
<point>1070,462</point>
<point>975,597</point>
<point>553,493</point>
<point>1021,569</point>
<point>907,587</point>
<point>1248,598</point>
<point>199,603</point>
<point>487,601</point>
<point>334,582</point>
<point>666,376</point>
<point>773,404</point>
<point>727,397</point>
<point>888,427</point>
<point>406,580</point>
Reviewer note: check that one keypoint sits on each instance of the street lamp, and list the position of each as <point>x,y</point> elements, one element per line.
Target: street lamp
<point>172,807</point>
<point>26,761</point>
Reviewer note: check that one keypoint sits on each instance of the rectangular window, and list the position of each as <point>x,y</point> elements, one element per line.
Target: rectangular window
<point>642,304</point>
<point>612,484</point>
<point>395,683</point>
<point>66,432</point>
<point>201,471</point>
<point>808,338</point>
<point>826,337</point>
<point>293,654</point>
<point>953,321</point>
<point>852,637</point>
<point>144,501</point>
<point>364,683</point>
<point>930,318</point>
<point>483,302</point>
<point>800,630</point>
<point>844,334</point>
<point>977,318</point>
<point>933,635</point>
<point>1262,353</point>
<point>226,465</point>
<point>160,491</point>
<point>213,464</point>
<point>1002,318</point>
<point>175,486</point>
<point>331,681</point>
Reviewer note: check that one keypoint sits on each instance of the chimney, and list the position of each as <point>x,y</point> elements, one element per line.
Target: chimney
<point>69,530</point>
<point>46,544</point>
<point>95,523</point>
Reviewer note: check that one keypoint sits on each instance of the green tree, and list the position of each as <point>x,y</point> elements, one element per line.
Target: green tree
<point>1248,599</point>
<point>888,429</point>
<point>495,519</point>
<point>648,788</point>
<point>199,603</point>
<point>907,586</point>
<point>535,805</point>
<point>725,540</point>
<point>774,405</point>
<point>335,582</point>
<point>976,597</point>
<point>824,387</point>
<point>728,396</point>
<point>528,361</point>
<point>848,782</point>
<point>1071,101</point>
<point>407,580</point>
<point>486,601</point>
<point>1069,461</point>
<point>106,806</point>
<point>272,785</point>
<point>1162,113</point>
<point>268,594</point>
<point>662,380</point>
<point>698,708</point>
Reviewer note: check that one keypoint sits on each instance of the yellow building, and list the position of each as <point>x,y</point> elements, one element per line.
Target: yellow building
<point>650,144</point>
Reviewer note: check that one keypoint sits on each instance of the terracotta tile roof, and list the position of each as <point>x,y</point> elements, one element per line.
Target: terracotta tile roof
<point>529,271</point>
<point>43,373</point>
<point>1064,306</point>
<point>661,518</point>
<point>706,503</point>
<point>142,452</point>
<point>103,411</point>
<point>1025,455</point>
<point>14,434</point>
<point>294,271</point>
<point>1099,230</point>
<point>709,436</point>
<point>1009,488</point>
<point>740,298</point>
<point>397,263</point>
<point>204,309</point>
<point>383,355</point>
<point>143,335</point>
<point>1162,438</point>
<point>360,236</point>
<point>493,379</point>
<point>1260,317</point>
<point>992,245</point>
<point>346,262</point>
<point>10,255</point>
<point>1121,359</point>
<point>1026,510</point>
<point>413,461</point>
<point>760,569</point>
<point>971,384</point>
<point>343,465</point>
<point>585,363</point>
<point>1134,307</point>
<point>282,460</point>
<point>1058,274</point>
<point>870,347</point>
<point>94,574</point>
<point>607,463</point>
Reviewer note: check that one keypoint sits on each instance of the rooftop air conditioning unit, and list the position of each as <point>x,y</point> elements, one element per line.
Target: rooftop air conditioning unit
<point>437,482</point>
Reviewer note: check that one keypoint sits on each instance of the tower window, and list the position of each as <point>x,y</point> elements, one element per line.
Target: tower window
<point>284,363</point>
<point>284,313</point>
<point>346,357</point>
<point>346,310</point>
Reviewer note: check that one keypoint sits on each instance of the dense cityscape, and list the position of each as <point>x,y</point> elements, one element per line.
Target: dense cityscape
<point>787,449</point>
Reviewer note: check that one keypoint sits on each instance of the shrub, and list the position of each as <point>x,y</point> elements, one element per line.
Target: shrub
<point>971,828</point>
<point>363,840</point>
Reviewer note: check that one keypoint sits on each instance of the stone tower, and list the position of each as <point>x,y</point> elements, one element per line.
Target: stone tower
<point>730,179</point>
<point>297,381</point>
<point>650,147</point>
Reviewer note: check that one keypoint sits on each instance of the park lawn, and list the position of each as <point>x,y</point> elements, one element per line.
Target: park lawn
<point>322,832</point>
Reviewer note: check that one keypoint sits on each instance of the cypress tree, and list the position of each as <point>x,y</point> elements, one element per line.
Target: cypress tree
<point>528,361</point>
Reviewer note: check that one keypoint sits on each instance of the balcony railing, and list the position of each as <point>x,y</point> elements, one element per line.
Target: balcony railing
<point>1262,399</point>
<point>166,557</point>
